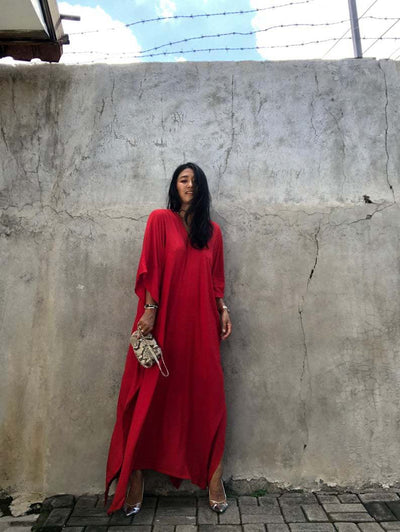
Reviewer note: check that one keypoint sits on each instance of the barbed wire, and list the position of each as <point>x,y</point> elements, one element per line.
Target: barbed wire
<point>175,52</point>
<point>253,32</point>
<point>145,53</point>
<point>223,49</point>
<point>193,16</point>
<point>242,33</point>
<point>229,49</point>
<point>232,33</point>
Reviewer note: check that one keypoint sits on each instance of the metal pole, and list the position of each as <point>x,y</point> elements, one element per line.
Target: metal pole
<point>355,30</point>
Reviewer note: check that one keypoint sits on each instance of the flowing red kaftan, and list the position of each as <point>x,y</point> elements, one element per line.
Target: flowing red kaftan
<point>176,424</point>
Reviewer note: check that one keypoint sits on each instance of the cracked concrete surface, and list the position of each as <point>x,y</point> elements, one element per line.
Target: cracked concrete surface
<point>386,131</point>
<point>303,164</point>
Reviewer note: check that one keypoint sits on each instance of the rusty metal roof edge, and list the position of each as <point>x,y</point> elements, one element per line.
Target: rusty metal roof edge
<point>48,48</point>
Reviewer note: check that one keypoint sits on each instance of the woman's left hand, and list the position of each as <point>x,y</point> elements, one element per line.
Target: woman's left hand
<point>226,325</point>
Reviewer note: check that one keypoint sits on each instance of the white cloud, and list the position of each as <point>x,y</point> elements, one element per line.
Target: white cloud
<point>105,46</point>
<point>166,8</point>
<point>180,59</point>
<point>10,61</point>
<point>321,11</point>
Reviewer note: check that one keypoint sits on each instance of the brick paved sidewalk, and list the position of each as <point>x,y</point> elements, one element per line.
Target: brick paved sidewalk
<point>377,511</point>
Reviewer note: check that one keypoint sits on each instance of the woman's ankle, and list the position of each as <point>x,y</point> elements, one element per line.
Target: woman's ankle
<point>216,491</point>
<point>137,473</point>
<point>217,476</point>
<point>135,491</point>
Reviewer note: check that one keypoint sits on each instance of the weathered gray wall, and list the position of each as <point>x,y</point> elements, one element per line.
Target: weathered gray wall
<point>312,368</point>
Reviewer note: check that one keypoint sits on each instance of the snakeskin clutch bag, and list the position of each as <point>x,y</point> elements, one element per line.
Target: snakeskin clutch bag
<point>147,351</point>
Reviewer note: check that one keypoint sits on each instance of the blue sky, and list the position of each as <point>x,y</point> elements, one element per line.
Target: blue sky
<point>157,33</point>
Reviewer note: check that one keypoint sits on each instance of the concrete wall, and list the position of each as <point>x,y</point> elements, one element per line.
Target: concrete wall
<point>312,368</point>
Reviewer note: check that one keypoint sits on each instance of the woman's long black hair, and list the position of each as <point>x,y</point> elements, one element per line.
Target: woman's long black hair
<point>201,228</point>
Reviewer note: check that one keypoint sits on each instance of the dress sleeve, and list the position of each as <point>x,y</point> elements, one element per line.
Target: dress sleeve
<point>151,263</point>
<point>218,264</point>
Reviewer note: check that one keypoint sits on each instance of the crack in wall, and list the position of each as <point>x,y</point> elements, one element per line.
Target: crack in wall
<point>163,164</point>
<point>140,90</point>
<point>3,134</point>
<point>72,216</point>
<point>58,154</point>
<point>13,81</point>
<point>112,90</point>
<point>38,179</point>
<point>232,137</point>
<point>386,131</point>
<point>233,132</point>
<point>255,215</point>
<point>306,389</point>
<point>124,217</point>
<point>15,155</point>
<point>305,371</point>
<point>261,103</point>
<point>316,256</point>
<point>114,119</point>
<point>88,215</point>
<point>98,114</point>
<point>302,375</point>
<point>312,104</point>
<point>103,104</point>
<point>367,217</point>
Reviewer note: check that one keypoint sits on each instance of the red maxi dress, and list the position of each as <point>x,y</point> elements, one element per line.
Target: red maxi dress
<point>176,424</point>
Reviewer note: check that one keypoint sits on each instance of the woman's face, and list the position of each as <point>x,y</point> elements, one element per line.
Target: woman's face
<point>185,185</point>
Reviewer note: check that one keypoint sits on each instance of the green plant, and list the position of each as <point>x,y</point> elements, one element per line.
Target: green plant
<point>258,493</point>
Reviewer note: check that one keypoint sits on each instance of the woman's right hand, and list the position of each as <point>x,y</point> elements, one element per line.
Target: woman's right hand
<point>146,322</point>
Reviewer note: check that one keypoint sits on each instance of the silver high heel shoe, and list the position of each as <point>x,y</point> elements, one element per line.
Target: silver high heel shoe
<point>218,506</point>
<point>133,509</point>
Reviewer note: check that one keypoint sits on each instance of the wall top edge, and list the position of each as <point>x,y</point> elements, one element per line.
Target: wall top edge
<point>186,64</point>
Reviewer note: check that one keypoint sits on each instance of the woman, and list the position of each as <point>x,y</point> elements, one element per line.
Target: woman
<point>175,424</point>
